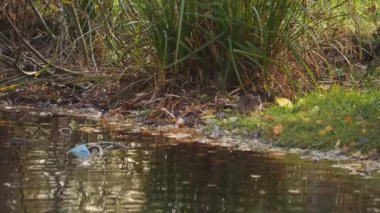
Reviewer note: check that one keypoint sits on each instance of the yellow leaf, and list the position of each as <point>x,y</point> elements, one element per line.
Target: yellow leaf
<point>10,87</point>
<point>53,7</point>
<point>324,87</point>
<point>364,131</point>
<point>208,117</point>
<point>328,128</point>
<point>284,102</point>
<point>319,122</point>
<point>315,109</point>
<point>67,2</point>
<point>322,132</point>
<point>306,120</point>
<point>337,144</point>
<point>87,129</point>
<point>278,130</point>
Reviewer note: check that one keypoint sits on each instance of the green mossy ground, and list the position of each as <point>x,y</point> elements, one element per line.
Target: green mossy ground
<point>334,119</point>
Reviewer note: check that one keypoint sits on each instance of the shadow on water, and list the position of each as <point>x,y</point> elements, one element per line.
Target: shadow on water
<point>37,175</point>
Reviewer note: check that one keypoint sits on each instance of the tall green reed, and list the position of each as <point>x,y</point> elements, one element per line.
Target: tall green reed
<point>229,42</point>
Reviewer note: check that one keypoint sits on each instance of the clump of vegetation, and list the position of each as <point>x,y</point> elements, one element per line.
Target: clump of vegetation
<point>225,42</point>
<point>164,53</point>
<point>337,118</point>
<point>272,47</point>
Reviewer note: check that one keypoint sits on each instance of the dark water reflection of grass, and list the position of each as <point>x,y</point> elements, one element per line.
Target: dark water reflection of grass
<point>150,176</point>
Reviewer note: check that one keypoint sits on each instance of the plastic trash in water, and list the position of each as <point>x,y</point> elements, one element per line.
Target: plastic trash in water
<point>93,151</point>
<point>80,151</point>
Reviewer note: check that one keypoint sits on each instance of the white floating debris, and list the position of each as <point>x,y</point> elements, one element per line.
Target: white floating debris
<point>262,192</point>
<point>46,114</point>
<point>256,176</point>
<point>293,191</point>
<point>130,160</point>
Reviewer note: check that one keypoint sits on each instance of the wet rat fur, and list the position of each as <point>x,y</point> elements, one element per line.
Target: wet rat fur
<point>248,103</point>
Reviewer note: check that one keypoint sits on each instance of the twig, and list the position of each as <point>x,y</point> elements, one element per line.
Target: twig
<point>167,112</point>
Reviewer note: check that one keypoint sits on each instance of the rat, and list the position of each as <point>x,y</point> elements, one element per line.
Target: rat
<point>248,103</point>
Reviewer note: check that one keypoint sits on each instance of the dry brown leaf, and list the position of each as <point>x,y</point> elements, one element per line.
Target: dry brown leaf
<point>348,119</point>
<point>278,130</point>
<point>268,118</point>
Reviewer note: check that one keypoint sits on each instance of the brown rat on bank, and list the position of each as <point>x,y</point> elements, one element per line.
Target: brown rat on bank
<point>248,103</point>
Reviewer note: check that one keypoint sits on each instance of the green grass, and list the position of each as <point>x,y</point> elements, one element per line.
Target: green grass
<point>221,41</point>
<point>347,119</point>
<point>273,47</point>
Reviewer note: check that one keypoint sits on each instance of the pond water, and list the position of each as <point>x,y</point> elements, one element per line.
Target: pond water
<point>153,175</point>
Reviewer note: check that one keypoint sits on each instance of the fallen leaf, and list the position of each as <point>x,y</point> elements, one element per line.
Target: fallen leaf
<point>284,102</point>
<point>322,132</point>
<point>208,116</point>
<point>329,128</point>
<point>268,118</point>
<point>326,130</point>
<point>364,131</point>
<point>278,130</point>
<point>325,87</point>
<point>315,109</point>
<point>10,87</point>
<point>348,119</point>
<point>306,120</point>
<point>319,122</point>
<point>67,2</point>
<point>87,129</point>
<point>337,144</point>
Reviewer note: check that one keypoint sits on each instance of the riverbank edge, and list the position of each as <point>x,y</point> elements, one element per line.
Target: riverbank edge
<point>176,135</point>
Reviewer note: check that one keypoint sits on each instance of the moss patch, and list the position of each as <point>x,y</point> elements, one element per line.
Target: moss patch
<point>338,118</point>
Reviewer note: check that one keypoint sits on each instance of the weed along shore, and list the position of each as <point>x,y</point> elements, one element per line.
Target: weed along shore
<point>334,124</point>
<point>339,120</point>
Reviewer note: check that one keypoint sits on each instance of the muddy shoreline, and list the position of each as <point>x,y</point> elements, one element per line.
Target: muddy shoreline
<point>128,125</point>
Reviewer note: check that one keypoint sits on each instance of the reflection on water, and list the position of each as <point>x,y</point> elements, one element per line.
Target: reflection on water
<point>36,175</point>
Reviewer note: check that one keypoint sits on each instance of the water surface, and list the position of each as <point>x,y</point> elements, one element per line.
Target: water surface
<point>37,175</point>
